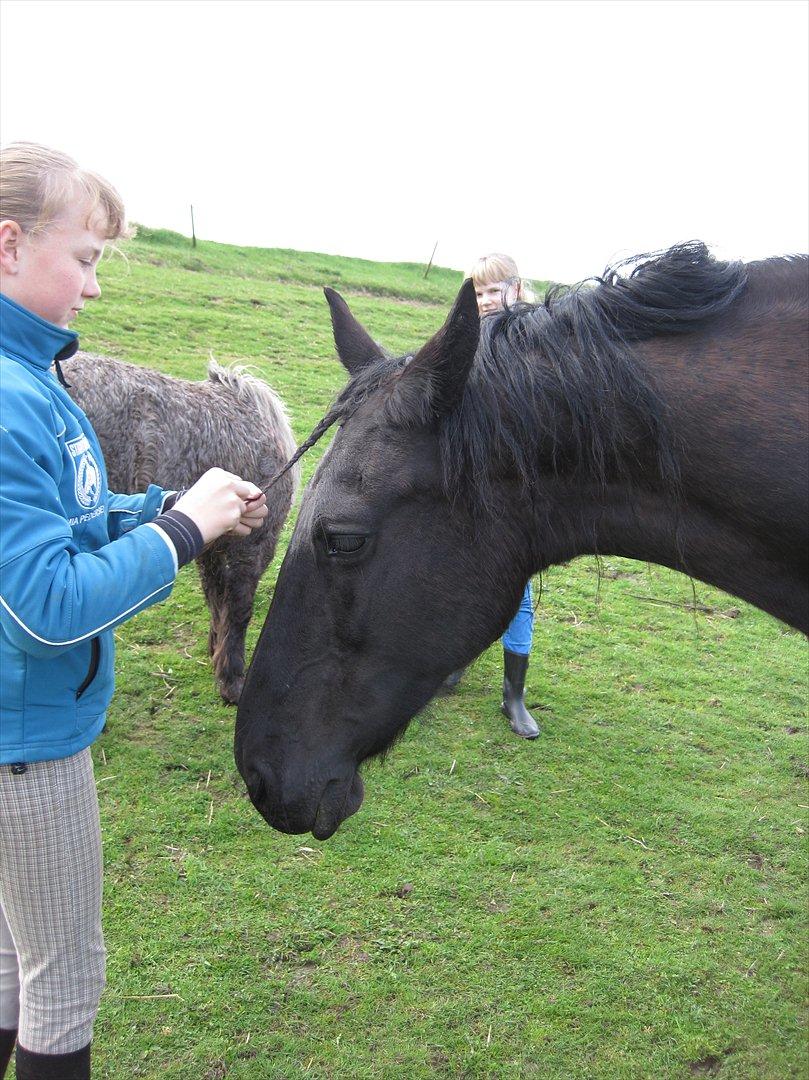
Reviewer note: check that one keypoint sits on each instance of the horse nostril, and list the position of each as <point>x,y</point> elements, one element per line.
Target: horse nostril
<point>256,787</point>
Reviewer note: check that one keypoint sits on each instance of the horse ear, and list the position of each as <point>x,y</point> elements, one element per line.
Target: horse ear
<point>355,347</point>
<point>440,368</point>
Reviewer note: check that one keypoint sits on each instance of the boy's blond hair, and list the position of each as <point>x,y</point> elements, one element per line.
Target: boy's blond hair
<point>498,267</point>
<point>37,183</point>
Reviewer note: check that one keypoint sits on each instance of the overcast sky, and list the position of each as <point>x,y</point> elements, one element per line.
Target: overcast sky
<point>566,134</point>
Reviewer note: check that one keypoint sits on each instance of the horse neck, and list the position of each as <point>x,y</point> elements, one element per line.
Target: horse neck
<point>572,519</point>
<point>738,520</point>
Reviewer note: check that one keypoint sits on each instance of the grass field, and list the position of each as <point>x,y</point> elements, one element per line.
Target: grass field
<point>623,898</point>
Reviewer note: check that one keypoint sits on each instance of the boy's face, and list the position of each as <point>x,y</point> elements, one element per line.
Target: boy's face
<point>493,296</point>
<point>54,272</point>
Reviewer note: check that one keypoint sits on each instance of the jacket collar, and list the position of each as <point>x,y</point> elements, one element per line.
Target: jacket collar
<point>31,339</point>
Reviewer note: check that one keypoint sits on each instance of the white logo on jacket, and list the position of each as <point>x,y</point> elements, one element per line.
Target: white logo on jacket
<point>88,474</point>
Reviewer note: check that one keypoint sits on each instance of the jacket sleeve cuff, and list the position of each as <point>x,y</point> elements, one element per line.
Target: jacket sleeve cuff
<point>183,533</point>
<point>170,499</point>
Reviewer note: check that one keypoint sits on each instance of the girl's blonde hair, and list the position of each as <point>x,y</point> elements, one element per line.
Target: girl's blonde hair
<point>498,267</point>
<point>37,183</point>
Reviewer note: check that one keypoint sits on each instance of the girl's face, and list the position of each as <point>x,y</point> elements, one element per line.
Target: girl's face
<point>494,296</point>
<point>53,273</point>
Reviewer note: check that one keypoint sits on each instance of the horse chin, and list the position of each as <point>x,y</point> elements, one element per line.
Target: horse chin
<point>337,803</point>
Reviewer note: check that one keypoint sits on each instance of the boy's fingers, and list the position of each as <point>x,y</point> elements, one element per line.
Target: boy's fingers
<point>245,490</point>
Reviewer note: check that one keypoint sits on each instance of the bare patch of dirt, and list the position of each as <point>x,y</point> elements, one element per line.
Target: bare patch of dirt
<point>800,768</point>
<point>352,949</point>
<point>709,1065</point>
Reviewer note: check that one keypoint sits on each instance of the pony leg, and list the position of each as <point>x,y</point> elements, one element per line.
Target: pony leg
<point>212,566</point>
<point>240,582</point>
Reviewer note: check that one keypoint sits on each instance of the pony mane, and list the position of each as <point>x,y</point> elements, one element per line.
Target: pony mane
<point>557,385</point>
<point>258,398</point>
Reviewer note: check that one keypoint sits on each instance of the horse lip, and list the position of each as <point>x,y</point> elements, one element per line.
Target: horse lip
<point>340,799</point>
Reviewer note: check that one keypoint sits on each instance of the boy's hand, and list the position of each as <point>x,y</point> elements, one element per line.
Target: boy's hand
<point>217,504</point>
<point>255,513</point>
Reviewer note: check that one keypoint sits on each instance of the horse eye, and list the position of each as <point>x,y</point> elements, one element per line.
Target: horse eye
<point>343,543</point>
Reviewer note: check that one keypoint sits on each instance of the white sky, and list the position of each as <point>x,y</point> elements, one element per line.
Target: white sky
<point>565,134</point>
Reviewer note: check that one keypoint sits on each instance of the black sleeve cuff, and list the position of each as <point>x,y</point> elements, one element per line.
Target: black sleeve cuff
<point>183,533</point>
<point>171,499</point>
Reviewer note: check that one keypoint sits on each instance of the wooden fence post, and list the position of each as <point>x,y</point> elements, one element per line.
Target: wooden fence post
<point>430,263</point>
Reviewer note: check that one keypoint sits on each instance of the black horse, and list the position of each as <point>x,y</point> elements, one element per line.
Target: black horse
<point>659,415</point>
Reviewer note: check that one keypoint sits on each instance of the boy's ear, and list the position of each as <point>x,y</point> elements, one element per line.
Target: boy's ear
<point>10,236</point>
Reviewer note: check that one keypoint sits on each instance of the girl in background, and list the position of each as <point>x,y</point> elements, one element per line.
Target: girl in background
<point>75,562</point>
<point>498,285</point>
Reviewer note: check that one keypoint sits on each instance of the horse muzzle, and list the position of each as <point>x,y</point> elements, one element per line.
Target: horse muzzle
<point>320,807</point>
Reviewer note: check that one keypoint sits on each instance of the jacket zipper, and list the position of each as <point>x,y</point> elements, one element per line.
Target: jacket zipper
<point>95,656</point>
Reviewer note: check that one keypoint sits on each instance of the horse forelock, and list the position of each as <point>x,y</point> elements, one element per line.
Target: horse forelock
<point>356,391</point>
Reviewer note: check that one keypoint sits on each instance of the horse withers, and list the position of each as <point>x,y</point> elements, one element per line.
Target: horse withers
<point>659,415</point>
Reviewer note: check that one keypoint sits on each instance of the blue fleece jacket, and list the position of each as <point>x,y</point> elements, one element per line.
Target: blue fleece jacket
<point>75,560</point>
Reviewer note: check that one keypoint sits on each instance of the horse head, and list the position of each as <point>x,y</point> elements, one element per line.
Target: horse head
<point>380,564</point>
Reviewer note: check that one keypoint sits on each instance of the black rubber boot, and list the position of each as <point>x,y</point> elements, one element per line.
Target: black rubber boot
<point>8,1036</point>
<point>522,723</point>
<point>75,1066</point>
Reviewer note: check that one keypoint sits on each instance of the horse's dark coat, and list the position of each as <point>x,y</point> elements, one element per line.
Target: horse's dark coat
<point>660,416</point>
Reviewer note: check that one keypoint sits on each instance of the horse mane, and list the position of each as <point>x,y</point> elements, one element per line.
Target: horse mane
<point>558,384</point>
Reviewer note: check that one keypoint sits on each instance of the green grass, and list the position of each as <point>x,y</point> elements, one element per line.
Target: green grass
<point>623,898</point>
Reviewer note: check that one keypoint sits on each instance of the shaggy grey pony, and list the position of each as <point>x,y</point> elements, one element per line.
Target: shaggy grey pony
<point>155,429</point>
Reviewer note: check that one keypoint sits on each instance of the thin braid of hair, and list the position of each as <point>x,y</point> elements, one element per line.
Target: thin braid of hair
<point>341,411</point>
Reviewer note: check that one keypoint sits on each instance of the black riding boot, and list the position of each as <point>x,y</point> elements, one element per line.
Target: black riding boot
<point>8,1036</point>
<point>75,1066</point>
<point>522,723</point>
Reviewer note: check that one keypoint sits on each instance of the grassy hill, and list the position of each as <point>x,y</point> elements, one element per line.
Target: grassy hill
<point>623,898</point>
